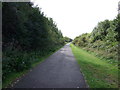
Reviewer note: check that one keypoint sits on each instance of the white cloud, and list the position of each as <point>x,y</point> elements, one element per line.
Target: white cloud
<point>75,17</point>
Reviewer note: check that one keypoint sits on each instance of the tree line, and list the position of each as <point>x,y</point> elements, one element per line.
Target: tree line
<point>27,36</point>
<point>67,39</point>
<point>103,40</point>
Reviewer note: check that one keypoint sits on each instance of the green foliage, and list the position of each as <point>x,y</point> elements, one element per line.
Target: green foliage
<point>27,35</point>
<point>103,40</point>
<point>99,73</point>
<point>67,39</point>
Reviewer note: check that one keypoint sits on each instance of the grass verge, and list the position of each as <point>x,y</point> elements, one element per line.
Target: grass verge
<point>14,76</point>
<point>98,73</point>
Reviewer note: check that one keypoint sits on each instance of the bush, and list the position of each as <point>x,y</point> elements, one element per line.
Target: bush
<point>102,40</point>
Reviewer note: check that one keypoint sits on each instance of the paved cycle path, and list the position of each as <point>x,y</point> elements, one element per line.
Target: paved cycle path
<point>60,70</point>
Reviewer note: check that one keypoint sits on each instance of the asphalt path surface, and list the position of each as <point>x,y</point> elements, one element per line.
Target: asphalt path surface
<point>60,70</point>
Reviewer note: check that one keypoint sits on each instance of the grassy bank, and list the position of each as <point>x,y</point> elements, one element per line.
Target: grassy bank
<point>14,76</point>
<point>98,73</point>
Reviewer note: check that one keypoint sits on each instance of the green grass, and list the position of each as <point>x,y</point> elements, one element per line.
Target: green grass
<point>98,73</point>
<point>12,77</point>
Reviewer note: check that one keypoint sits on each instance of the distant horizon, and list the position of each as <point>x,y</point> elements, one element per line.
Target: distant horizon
<point>73,17</point>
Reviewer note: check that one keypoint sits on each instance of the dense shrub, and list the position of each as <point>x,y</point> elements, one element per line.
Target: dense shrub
<point>27,36</point>
<point>103,40</point>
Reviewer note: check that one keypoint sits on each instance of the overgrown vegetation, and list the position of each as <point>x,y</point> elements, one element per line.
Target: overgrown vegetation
<point>98,73</point>
<point>27,36</point>
<point>103,40</point>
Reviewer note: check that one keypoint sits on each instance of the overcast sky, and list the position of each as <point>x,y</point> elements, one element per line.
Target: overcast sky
<point>74,17</point>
